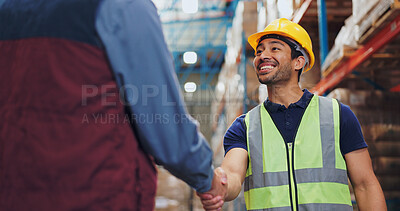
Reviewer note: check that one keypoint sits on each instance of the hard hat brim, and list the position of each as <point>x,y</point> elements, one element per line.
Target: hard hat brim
<point>254,38</point>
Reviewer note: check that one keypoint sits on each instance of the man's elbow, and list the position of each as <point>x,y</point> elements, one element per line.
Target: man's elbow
<point>366,184</point>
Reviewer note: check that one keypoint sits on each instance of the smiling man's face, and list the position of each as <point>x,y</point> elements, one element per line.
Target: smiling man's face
<point>273,63</point>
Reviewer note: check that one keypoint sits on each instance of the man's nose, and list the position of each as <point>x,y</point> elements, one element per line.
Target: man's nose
<point>265,54</point>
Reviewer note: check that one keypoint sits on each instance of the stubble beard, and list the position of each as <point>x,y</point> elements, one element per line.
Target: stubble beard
<point>282,74</point>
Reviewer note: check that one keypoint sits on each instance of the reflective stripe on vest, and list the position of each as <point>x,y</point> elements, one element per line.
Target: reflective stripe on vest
<point>317,176</point>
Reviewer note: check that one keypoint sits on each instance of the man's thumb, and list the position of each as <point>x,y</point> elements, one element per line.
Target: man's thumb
<point>222,174</point>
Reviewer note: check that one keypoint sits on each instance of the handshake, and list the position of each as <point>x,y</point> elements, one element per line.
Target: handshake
<point>215,197</point>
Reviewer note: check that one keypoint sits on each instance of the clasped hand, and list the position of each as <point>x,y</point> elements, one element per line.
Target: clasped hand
<point>215,197</point>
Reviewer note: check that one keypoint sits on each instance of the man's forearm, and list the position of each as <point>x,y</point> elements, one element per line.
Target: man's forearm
<point>234,187</point>
<point>370,198</point>
<point>235,166</point>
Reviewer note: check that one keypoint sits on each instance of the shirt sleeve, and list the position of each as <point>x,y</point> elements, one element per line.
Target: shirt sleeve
<point>351,137</point>
<point>132,35</point>
<point>235,136</point>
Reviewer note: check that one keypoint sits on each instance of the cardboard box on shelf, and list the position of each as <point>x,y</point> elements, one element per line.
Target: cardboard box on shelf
<point>386,165</point>
<point>250,18</point>
<point>385,148</point>
<point>337,55</point>
<point>362,7</point>
<point>380,132</point>
<point>344,46</point>
<point>374,100</point>
<point>377,112</point>
<point>250,7</point>
<point>389,182</point>
<point>366,19</point>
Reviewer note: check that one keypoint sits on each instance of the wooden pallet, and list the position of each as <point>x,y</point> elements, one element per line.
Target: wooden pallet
<point>376,26</point>
<point>346,52</point>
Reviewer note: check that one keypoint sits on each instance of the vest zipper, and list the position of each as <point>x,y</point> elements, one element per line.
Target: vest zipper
<point>289,155</point>
<point>293,189</point>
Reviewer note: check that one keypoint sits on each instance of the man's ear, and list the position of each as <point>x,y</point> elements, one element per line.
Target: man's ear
<point>300,62</point>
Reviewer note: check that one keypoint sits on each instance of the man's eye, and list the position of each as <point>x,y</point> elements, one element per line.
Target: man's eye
<point>275,49</point>
<point>258,51</point>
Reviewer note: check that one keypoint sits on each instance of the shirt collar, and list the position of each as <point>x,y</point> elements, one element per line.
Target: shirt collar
<point>302,103</point>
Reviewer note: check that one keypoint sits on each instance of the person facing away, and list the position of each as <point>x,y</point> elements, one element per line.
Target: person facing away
<point>295,150</point>
<point>89,99</point>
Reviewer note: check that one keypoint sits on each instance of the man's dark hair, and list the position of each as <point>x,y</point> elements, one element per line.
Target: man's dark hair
<point>294,53</point>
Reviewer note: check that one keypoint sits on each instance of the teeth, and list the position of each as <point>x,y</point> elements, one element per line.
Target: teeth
<point>266,67</point>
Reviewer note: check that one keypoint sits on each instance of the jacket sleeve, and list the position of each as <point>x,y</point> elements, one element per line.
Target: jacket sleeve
<point>131,33</point>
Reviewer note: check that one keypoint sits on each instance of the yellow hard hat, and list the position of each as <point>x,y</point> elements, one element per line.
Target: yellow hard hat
<point>288,29</point>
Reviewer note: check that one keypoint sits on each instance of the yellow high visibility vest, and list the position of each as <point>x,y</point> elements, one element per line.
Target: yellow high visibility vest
<point>308,174</point>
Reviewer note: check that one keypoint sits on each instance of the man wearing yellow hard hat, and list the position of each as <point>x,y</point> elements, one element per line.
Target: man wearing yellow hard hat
<point>295,150</point>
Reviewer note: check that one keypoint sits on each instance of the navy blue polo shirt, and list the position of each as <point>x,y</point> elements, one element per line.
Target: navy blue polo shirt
<point>287,121</point>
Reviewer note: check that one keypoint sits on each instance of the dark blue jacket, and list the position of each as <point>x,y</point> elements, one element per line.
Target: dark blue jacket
<point>88,98</point>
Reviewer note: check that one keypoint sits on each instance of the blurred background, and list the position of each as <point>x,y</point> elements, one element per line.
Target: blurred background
<point>357,48</point>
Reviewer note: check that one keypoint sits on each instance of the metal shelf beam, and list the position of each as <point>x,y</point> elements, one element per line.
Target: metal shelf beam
<point>323,30</point>
<point>388,33</point>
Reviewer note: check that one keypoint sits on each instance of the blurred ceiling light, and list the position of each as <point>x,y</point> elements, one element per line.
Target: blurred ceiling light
<point>190,57</point>
<point>190,6</point>
<point>220,87</point>
<point>190,87</point>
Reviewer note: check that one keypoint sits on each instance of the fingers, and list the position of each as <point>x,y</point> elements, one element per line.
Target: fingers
<point>204,196</point>
<point>216,207</point>
<point>213,204</point>
<point>209,202</point>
